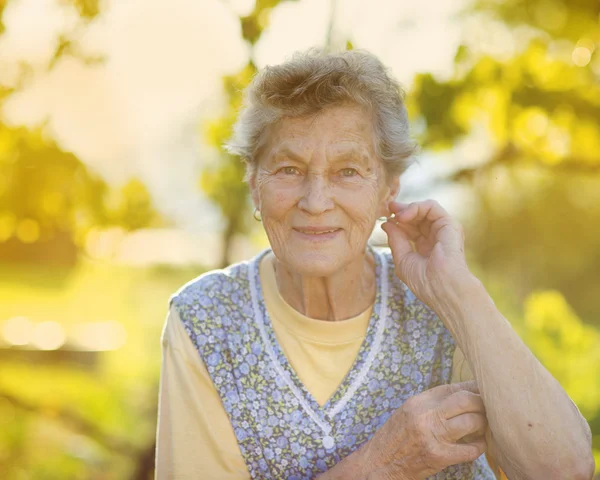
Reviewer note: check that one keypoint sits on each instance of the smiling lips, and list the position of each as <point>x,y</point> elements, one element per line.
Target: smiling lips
<point>317,231</point>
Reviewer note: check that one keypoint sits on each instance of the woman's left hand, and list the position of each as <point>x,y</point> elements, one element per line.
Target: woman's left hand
<point>437,261</point>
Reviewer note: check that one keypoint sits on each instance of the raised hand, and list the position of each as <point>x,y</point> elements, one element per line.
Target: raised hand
<point>428,248</point>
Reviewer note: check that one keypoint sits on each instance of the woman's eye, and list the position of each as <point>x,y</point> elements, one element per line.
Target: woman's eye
<point>290,170</point>
<point>349,172</point>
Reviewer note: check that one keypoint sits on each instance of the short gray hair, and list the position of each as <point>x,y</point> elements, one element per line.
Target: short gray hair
<point>313,80</point>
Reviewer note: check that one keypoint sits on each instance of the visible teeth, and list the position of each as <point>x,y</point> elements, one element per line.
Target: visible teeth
<point>320,233</point>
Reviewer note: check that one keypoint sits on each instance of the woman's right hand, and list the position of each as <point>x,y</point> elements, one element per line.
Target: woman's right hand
<point>429,432</point>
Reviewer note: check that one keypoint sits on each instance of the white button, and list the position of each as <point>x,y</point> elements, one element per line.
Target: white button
<point>328,442</point>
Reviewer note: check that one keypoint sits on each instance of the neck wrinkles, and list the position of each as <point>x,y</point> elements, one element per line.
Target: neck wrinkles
<point>345,294</point>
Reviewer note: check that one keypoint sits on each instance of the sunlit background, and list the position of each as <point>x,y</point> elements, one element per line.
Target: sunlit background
<point>114,189</point>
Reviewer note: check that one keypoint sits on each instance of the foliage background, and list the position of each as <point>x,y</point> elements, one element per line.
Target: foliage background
<point>512,129</point>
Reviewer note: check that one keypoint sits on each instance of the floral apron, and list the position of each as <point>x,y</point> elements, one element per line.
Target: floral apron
<point>281,430</point>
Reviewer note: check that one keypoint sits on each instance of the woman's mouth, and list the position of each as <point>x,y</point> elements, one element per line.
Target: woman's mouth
<point>318,233</point>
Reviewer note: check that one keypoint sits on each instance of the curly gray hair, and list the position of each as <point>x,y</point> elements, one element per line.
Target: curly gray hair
<point>313,80</point>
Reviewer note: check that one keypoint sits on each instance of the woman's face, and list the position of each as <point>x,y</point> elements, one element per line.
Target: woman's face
<point>320,187</point>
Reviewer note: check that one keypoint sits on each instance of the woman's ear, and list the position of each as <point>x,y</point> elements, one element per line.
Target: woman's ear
<point>393,188</point>
<point>251,177</point>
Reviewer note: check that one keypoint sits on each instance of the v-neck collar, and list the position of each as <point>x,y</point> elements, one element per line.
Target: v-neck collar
<point>354,379</point>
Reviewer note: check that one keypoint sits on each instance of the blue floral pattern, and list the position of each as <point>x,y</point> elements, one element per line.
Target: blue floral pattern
<point>281,430</point>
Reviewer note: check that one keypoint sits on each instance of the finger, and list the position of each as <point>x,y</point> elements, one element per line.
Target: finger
<point>423,214</point>
<point>425,244</point>
<point>466,452</point>
<point>474,437</point>
<point>429,209</point>
<point>442,391</point>
<point>399,241</point>
<point>410,214</point>
<point>451,235</point>
<point>411,231</point>
<point>461,402</point>
<point>405,258</point>
<point>433,221</point>
<point>474,424</point>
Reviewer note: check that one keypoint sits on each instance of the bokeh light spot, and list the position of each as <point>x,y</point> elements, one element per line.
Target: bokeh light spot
<point>48,336</point>
<point>581,56</point>
<point>28,230</point>
<point>17,330</point>
<point>100,336</point>
<point>538,123</point>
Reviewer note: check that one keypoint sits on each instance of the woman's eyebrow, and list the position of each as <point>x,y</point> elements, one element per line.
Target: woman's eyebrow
<point>341,155</point>
<point>286,153</point>
<point>359,155</point>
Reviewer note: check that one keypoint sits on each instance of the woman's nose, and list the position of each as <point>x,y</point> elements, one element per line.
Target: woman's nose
<point>316,197</point>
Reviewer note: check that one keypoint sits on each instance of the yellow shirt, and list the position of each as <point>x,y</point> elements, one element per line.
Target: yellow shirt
<point>194,436</point>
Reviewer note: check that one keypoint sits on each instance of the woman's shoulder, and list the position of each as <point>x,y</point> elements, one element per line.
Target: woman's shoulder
<point>210,284</point>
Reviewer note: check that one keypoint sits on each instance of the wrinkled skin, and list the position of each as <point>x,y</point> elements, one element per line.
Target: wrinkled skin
<point>431,431</point>
<point>321,171</point>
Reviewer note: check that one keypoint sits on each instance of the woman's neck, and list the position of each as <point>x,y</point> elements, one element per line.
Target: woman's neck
<point>345,294</point>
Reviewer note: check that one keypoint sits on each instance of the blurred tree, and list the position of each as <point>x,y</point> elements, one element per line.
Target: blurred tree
<point>48,201</point>
<point>48,198</point>
<point>567,347</point>
<point>133,207</point>
<point>224,182</point>
<point>530,80</point>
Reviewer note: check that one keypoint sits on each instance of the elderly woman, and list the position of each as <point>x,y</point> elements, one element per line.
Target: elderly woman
<point>323,357</point>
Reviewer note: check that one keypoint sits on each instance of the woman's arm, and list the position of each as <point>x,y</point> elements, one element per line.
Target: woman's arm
<point>537,431</point>
<point>194,436</point>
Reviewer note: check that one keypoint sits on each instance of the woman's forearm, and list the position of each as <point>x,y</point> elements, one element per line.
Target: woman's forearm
<point>360,466</point>
<point>354,467</point>
<point>537,431</point>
